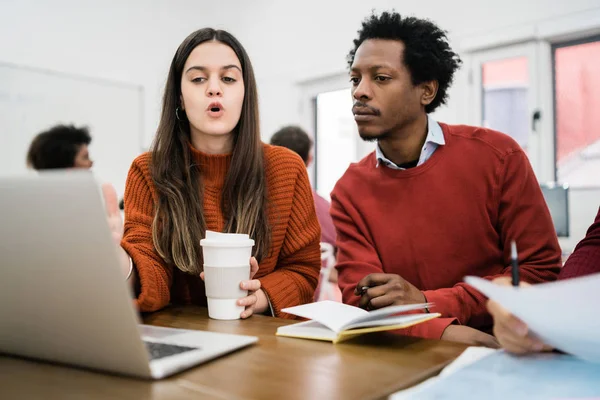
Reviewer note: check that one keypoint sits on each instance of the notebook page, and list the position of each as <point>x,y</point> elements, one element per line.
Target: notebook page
<point>332,314</point>
<point>386,312</point>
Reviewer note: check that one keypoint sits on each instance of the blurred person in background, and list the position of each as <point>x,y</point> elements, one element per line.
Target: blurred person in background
<point>297,140</point>
<point>60,147</point>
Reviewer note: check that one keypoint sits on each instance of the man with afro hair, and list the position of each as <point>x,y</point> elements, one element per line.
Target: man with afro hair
<point>434,202</point>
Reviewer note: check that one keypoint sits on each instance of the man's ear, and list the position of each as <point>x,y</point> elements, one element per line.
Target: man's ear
<point>429,91</point>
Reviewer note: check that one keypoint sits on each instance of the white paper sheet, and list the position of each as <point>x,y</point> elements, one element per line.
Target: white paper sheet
<point>564,314</point>
<point>467,357</point>
<point>502,376</point>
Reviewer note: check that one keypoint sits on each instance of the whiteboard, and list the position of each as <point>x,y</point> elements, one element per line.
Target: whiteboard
<point>33,100</point>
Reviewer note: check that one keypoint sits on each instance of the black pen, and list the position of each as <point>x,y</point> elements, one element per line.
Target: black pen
<point>514,259</point>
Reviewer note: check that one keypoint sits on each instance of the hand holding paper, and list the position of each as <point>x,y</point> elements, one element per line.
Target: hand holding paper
<point>562,314</point>
<point>512,333</point>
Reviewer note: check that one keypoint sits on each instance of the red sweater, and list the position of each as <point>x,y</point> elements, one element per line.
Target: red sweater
<point>585,259</point>
<point>452,216</point>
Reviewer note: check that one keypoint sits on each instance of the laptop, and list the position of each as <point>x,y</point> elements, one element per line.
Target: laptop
<point>63,297</point>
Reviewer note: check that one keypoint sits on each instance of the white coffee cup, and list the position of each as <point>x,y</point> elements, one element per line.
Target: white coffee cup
<point>226,265</point>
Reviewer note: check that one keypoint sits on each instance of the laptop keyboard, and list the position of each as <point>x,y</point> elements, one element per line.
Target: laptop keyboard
<point>162,350</point>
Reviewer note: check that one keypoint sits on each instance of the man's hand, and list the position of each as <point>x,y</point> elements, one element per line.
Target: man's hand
<point>470,336</point>
<point>382,290</point>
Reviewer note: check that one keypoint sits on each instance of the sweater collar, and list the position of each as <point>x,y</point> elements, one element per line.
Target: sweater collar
<point>214,167</point>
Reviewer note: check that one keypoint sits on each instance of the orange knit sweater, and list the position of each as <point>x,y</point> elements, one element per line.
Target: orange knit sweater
<point>288,276</point>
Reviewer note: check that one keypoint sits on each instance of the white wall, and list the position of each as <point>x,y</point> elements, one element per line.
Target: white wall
<point>133,41</point>
<point>130,41</point>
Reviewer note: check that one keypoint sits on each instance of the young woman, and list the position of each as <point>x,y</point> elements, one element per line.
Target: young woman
<point>208,170</point>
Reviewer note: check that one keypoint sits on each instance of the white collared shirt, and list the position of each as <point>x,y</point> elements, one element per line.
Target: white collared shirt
<point>434,139</point>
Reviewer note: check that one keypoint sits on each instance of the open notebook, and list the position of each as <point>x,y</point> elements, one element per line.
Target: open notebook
<point>334,322</point>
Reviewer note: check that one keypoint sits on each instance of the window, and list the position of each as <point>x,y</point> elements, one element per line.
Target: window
<point>505,84</point>
<point>544,91</point>
<point>577,112</point>
<point>504,96</point>
<point>335,139</point>
<point>547,97</point>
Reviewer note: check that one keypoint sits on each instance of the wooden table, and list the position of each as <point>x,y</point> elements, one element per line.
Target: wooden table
<point>368,367</point>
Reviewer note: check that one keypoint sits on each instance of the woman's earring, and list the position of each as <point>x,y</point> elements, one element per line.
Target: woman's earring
<point>177,114</point>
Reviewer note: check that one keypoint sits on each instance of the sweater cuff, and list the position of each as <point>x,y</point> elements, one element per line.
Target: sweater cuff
<point>269,311</point>
<point>283,291</point>
<point>148,299</point>
<point>440,300</point>
<point>432,329</point>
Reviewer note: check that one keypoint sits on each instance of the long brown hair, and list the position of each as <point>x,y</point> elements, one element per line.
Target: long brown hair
<point>179,223</point>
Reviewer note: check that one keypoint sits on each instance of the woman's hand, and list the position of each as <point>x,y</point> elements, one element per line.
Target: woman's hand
<point>115,223</point>
<point>512,333</point>
<point>256,302</point>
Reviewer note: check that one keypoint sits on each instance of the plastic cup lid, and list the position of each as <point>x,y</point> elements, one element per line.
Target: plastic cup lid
<point>219,239</point>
